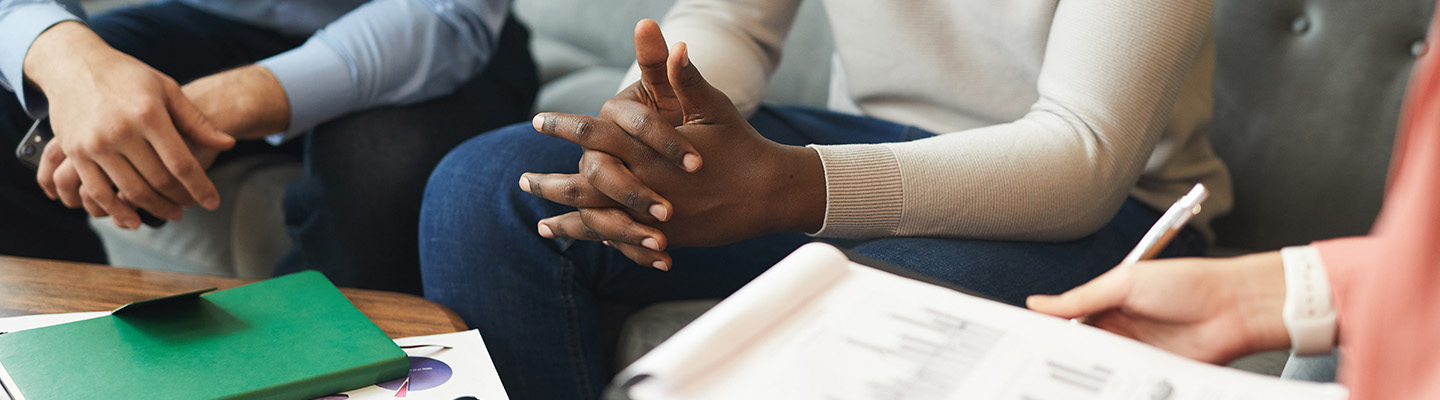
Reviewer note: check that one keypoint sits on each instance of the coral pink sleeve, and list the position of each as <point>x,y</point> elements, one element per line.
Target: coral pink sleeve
<point>1386,285</point>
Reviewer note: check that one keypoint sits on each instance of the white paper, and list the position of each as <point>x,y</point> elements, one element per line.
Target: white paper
<point>447,366</point>
<point>15,324</point>
<point>874,335</point>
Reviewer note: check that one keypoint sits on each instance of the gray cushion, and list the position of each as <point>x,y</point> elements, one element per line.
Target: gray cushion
<point>1307,93</point>
<point>583,49</point>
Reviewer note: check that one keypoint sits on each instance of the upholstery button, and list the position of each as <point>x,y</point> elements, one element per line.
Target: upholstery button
<point>1300,24</point>
<point>1418,48</point>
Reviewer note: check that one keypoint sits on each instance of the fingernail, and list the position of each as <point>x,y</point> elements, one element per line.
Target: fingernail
<point>651,243</point>
<point>210,203</point>
<point>545,232</point>
<point>524,183</point>
<point>659,212</point>
<point>692,162</point>
<point>684,55</point>
<point>607,243</point>
<point>538,122</point>
<point>660,265</point>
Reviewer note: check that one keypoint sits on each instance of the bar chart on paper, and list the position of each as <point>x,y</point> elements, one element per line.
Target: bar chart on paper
<point>931,359</point>
<point>850,332</point>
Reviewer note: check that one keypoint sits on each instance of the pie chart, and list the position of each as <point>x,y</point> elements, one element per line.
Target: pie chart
<point>425,373</point>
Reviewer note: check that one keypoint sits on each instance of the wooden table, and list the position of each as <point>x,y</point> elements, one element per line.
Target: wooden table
<point>34,286</point>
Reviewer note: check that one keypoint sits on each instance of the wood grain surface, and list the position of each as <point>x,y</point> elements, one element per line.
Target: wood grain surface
<point>34,286</point>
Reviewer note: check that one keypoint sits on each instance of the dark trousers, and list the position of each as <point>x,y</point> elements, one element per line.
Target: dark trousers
<point>354,215</point>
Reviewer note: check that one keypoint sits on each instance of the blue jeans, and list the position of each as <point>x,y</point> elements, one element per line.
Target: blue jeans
<point>355,212</point>
<point>535,300</point>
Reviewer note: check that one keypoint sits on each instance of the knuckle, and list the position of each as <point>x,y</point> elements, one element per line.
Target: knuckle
<point>582,131</point>
<point>168,183</point>
<point>691,79</point>
<point>611,107</point>
<point>186,167</point>
<point>591,233</point>
<point>94,193</point>
<point>672,148</point>
<point>633,200</point>
<point>67,180</point>
<point>638,121</point>
<point>591,169</point>
<point>141,196</point>
<point>103,140</point>
<point>150,110</point>
<point>572,192</point>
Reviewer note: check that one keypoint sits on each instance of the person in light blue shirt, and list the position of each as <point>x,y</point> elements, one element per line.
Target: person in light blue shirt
<point>370,93</point>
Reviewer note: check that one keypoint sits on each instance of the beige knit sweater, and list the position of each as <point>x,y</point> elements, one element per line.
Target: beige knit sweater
<point>1051,112</point>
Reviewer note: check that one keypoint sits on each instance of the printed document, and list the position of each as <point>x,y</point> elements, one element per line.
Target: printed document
<point>818,326</point>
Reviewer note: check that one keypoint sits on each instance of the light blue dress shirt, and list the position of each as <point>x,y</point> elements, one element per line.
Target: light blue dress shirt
<point>360,54</point>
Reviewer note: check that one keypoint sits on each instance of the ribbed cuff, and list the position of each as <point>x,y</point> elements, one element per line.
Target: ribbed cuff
<point>319,83</point>
<point>863,191</point>
<point>18,30</point>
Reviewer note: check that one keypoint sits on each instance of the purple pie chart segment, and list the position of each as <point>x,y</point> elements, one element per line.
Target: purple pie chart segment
<point>425,373</point>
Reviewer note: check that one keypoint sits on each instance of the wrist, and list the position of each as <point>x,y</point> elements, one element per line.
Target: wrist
<point>1259,280</point>
<point>55,55</point>
<point>246,102</point>
<point>799,195</point>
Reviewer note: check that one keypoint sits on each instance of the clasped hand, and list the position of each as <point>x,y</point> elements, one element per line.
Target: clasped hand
<point>118,131</point>
<point>641,187</point>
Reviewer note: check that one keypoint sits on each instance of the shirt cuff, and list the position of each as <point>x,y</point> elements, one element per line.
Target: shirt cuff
<point>1308,312</point>
<point>18,30</point>
<point>319,83</point>
<point>863,191</point>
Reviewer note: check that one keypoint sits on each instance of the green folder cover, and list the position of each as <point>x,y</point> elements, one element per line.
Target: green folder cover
<point>292,337</point>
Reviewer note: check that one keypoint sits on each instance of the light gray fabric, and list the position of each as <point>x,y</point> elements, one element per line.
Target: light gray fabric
<point>579,44</point>
<point>243,238</point>
<point>1314,369</point>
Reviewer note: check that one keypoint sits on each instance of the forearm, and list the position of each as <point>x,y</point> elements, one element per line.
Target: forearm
<point>63,53</point>
<point>22,22</point>
<point>1111,75</point>
<point>246,102</point>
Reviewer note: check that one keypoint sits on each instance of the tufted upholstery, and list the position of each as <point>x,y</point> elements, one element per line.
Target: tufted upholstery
<point>1307,94</point>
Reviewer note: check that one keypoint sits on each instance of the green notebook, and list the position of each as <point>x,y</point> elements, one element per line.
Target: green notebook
<point>292,337</point>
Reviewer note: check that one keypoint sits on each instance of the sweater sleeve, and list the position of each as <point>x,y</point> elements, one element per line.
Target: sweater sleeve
<point>1111,74</point>
<point>736,43</point>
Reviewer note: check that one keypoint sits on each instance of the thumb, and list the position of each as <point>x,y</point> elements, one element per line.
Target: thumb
<point>651,56</point>
<point>191,123</point>
<point>699,101</point>
<point>1106,292</point>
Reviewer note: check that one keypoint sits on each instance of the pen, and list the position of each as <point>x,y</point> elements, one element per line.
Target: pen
<point>1169,224</point>
<point>1165,229</point>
